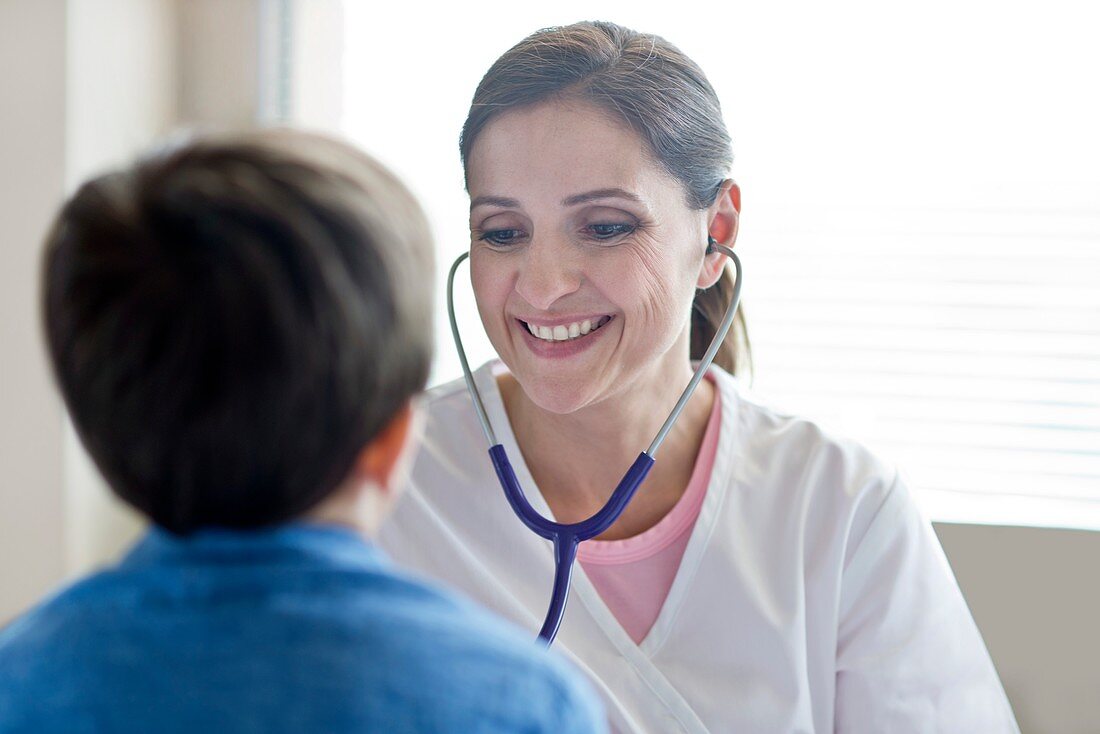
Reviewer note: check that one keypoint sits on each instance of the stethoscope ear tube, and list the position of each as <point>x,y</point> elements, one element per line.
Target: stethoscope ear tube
<point>487,427</point>
<point>568,536</point>
<point>708,356</point>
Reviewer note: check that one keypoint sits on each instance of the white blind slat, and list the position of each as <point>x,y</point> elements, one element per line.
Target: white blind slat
<point>967,352</point>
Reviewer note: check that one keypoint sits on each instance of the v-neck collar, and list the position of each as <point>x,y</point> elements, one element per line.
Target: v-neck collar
<point>638,655</point>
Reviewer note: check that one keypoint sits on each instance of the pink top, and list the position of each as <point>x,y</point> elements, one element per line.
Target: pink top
<point>633,575</point>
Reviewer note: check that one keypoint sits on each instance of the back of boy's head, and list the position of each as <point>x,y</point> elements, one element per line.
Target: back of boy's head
<point>232,321</point>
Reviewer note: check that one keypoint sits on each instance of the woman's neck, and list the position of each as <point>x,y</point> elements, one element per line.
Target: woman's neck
<point>577,459</point>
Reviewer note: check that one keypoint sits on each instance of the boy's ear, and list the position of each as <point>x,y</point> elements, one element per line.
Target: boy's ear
<point>380,460</point>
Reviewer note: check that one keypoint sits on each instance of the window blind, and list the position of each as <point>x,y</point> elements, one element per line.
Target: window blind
<point>962,344</point>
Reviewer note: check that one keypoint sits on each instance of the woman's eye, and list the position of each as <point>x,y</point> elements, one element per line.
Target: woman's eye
<point>609,231</point>
<point>501,236</point>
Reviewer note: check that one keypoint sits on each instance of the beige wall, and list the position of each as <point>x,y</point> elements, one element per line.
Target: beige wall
<point>1035,594</point>
<point>32,179</point>
<point>218,62</point>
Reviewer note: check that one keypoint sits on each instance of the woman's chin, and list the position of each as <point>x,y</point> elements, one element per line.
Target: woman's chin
<point>557,394</point>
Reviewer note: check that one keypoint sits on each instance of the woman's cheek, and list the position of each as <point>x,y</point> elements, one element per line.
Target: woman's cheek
<point>655,290</point>
<point>490,295</point>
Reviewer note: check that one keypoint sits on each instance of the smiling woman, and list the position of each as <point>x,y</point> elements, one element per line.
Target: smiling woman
<point>767,576</point>
<point>603,233</point>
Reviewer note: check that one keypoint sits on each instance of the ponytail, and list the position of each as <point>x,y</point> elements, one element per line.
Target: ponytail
<point>734,354</point>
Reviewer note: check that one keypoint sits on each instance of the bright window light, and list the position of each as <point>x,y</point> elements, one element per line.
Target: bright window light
<point>921,224</point>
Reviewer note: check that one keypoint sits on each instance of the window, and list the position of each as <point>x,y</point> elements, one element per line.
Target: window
<point>921,224</point>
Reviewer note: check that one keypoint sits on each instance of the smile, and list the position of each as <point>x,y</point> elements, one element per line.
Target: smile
<point>566,332</point>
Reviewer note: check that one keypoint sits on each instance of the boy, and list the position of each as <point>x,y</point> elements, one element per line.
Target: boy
<point>238,328</point>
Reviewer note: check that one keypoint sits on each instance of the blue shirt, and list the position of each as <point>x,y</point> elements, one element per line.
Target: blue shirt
<point>303,628</point>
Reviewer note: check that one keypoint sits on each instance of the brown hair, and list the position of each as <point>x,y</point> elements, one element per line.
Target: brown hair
<point>232,320</point>
<point>656,90</point>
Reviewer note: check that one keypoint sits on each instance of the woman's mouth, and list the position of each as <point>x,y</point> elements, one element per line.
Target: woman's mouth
<point>563,340</point>
<point>566,332</point>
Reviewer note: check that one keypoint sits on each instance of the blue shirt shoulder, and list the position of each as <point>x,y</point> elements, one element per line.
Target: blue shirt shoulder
<point>300,628</point>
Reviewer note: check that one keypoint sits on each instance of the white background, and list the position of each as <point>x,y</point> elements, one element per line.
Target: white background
<point>921,223</point>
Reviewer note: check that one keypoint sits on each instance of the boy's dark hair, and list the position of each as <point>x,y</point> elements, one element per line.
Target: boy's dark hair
<point>232,320</point>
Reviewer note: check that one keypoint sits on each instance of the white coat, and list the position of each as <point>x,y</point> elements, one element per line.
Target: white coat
<point>812,595</point>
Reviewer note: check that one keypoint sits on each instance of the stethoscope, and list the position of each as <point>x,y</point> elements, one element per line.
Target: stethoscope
<point>567,536</point>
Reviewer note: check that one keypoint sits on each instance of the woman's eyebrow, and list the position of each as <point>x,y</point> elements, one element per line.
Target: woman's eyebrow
<point>506,203</point>
<point>501,201</point>
<point>613,193</point>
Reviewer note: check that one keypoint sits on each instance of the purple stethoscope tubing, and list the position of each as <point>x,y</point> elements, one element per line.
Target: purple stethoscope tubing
<point>568,536</point>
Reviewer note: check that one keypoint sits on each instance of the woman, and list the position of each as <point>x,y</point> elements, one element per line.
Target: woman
<point>768,576</point>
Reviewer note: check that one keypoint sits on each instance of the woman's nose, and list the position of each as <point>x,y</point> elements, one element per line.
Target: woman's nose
<point>547,272</point>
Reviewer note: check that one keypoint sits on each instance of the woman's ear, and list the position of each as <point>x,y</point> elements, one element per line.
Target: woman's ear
<point>723,218</point>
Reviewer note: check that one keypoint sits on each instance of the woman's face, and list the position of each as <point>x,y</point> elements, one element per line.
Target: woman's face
<point>578,236</point>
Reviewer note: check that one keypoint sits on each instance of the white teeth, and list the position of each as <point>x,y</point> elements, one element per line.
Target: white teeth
<point>563,332</point>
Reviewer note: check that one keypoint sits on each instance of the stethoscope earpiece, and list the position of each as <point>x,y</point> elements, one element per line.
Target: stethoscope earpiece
<point>711,242</point>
